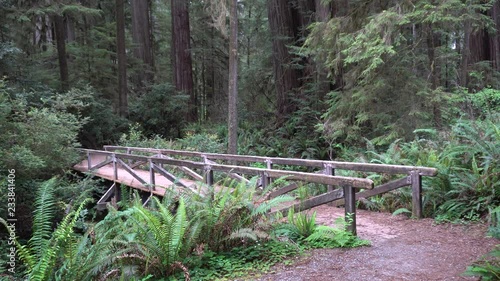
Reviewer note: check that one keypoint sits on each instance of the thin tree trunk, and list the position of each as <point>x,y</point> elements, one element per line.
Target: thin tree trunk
<point>181,55</point>
<point>122,59</point>
<point>464,68</point>
<point>61,51</point>
<point>495,37</point>
<point>433,42</point>
<point>233,80</point>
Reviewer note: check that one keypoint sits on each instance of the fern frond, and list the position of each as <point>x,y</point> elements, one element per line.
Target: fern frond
<point>248,233</point>
<point>42,218</point>
<point>243,233</point>
<point>266,206</point>
<point>178,229</point>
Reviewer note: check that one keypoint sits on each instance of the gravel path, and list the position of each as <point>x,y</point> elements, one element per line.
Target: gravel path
<point>402,249</point>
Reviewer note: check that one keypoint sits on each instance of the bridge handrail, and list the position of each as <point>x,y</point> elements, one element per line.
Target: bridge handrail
<point>292,175</point>
<point>361,167</point>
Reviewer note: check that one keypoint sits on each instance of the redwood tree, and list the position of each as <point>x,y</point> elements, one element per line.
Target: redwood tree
<point>282,25</point>
<point>122,59</point>
<point>59,27</point>
<point>181,55</point>
<point>141,36</point>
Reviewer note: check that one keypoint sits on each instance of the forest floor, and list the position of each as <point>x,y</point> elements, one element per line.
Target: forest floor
<point>401,249</point>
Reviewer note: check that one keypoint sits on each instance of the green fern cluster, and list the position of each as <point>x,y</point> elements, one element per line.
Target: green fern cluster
<point>229,217</point>
<point>303,229</point>
<point>48,249</point>
<point>467,160</point>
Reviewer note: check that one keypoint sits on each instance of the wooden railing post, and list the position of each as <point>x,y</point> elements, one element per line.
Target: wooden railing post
<point>89,165</point>
<point>115,167</point>
<point>267,180</point>
<point>350,208</point>
<point>329,170</point>
<point>129,161</point>
<point>151,174</point>
<point>416,193</point>
<point>209,175</point>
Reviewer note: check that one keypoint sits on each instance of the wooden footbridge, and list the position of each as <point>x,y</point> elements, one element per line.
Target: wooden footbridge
<point>151,170</point>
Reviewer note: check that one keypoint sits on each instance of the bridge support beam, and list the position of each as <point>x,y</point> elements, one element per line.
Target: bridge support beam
<point>350,208</point>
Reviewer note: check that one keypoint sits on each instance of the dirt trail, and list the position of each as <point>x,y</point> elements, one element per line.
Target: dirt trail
<point>402,249</point>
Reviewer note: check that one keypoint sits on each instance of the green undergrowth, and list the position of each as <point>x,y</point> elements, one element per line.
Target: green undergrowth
<point>488,268</point>
<point>254,258</point>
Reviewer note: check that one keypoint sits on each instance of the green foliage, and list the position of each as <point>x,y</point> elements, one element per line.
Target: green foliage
<point>102,125</point>
<point>295,138</point>
<point>401,211</point>
<point>203,141</point>
<point>229,216</point>
<point>161,235</point>
<point>494,222</point>
<point>160,111</point>
<point>301,225</point>
<point>468,170</point>
<point>47,248</point>
<point>488,268</point>
<point>303,229</point>
<point>135,138</point>
<point>390,74</point>
<point>37,141</point>
<point>486,101</point>
<point>240,261</point>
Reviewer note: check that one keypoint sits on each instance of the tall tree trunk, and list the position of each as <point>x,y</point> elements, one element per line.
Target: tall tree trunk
<point>286,78</point>
<point>141,36</point>
<point>122,59</point>
<point>323,14</point>
<point>181,55</point>
<point>233,80</point>
<point>340,9</point>
<point>495,37</point>
<point>61,51</point>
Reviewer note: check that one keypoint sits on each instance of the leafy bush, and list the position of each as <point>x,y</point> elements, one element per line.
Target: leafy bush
<point>102,126</point>
<point>39,134</point>
<point>136,138</point>
<point>229,217</point>
<point>467,160</point>
<point>161,111</point>
<point>203,142</point>
<point>242,260</point>
<point>302,229</point>
<point>37,142</point>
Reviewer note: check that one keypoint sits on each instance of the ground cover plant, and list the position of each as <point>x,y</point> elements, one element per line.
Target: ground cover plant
<point>224,235</point>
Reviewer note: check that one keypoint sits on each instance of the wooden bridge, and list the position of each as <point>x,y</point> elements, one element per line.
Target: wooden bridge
<point>150,170</point>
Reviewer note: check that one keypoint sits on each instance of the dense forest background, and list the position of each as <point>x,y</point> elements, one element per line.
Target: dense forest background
<point>311,74</point>
<point>413,82</point>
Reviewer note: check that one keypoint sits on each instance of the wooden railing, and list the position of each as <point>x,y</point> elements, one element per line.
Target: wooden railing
<point>323,173</point>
